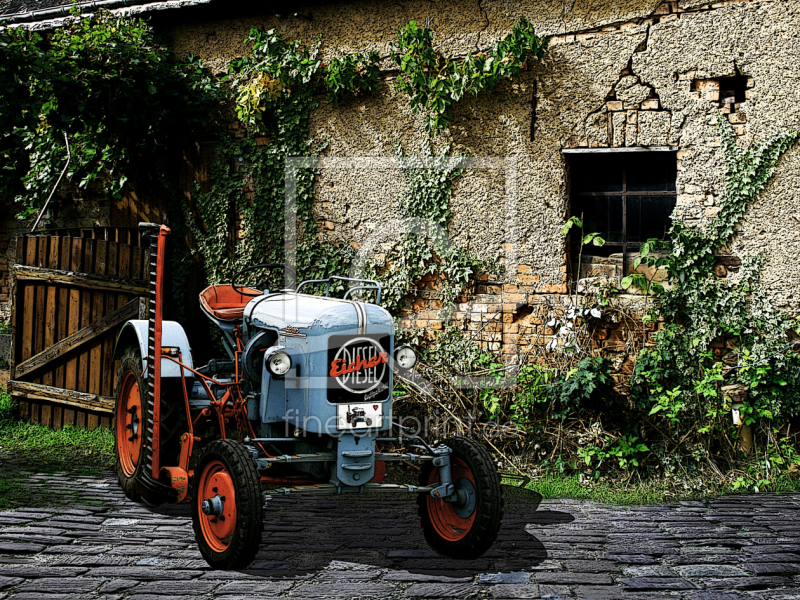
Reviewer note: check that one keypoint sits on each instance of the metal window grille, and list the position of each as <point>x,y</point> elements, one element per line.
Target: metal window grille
<point>627,197</point>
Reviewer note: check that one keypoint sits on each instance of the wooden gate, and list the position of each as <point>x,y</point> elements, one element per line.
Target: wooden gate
<point>73,292</point>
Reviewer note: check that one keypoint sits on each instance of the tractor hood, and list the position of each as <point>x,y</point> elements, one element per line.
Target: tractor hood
<point>314,315</point>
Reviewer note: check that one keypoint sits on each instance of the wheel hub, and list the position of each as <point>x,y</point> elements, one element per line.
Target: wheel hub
<point>467,498</point>
<point>213,507</point>
<point>133,423</point>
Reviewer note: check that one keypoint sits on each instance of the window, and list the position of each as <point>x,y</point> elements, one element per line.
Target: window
<point>627,196</point>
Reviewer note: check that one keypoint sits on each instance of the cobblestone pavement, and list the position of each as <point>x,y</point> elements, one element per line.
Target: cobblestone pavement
<point>371,546</point>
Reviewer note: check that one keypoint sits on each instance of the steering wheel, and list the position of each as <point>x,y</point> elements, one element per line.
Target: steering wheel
<point>263,283</point>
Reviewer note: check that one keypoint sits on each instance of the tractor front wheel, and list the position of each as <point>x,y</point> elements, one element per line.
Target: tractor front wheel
<point>469,526</point>
<point>227,512</point>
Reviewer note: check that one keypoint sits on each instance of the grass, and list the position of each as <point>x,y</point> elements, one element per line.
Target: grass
<point>50,450</point>
<point>553,486</point>
<point>26,447</point>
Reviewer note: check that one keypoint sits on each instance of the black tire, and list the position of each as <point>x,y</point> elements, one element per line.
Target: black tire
<point>241,544</point>
<point>170,431</point>
<point>473,532</point>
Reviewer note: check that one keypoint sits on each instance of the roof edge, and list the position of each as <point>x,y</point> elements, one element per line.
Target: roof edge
<point>57,13</point>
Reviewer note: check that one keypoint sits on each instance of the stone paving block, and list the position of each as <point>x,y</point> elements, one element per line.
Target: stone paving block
<point>118,585</point>
<point>349,575</point>
<point>420,577</point>
<point>716,596</point>
<point>573,578</point>
<point>632,559</point>
<point>142,573</point>
<point>22,514</point>
<point>176,588</point>
<point>77,549</point>
<point>13,521</point>
<point>7,582</point>
<point>80,585</point>
<point>610,592</point>
<point>442,590</point>
<point>32,529</point>
<point>649,571</point>
<point>592,566</point>
<point>705,571</point>
<point>658,583</point>
<point>705,559</point>
<point>41,596</point>
<point>92,561</point>
<point>771,548</point>
<point>514,590</point>
<point>375,590</point>
<point>7,547</point>
<point>785,569</point>
<point>268,588</point>
<point>706,550</point>
<point>138,551</point>
<point>33,539</point>
<point>161,597</point>
<point>191,565</point>
<point>779,557</point>
<point>34,571</point>
<point>500,578</point>
<point>554,592</point>
<point>747,583</point>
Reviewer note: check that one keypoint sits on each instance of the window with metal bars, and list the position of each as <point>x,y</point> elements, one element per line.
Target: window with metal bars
<point>626,196</point>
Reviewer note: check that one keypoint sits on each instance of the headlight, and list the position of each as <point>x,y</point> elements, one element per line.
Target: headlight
<point>277,361</point>
<point>405,357</point>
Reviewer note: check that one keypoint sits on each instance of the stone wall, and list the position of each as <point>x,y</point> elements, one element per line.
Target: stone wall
<point>617,74</point>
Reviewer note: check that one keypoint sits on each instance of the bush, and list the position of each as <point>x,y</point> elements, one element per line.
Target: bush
<point>587,386</point>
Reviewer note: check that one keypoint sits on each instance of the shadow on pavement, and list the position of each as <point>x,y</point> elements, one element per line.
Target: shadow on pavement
<point>304,535</point>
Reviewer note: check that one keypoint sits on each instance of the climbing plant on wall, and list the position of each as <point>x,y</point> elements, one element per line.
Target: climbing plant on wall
<point>435,82</point>
<point>111,87</point>
<point>424,247</point>
<point>276,88</point>
<point>677,380</point>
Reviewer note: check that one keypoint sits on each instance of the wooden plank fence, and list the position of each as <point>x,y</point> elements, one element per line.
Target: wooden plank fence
<point>73,291</point>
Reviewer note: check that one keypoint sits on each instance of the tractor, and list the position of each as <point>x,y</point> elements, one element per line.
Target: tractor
<point>301,404</point>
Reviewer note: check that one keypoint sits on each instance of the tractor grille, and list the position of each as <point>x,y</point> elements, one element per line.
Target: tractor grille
<point>359,368</point>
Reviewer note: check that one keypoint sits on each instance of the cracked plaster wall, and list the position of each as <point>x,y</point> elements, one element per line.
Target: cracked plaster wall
<point>595,43</point>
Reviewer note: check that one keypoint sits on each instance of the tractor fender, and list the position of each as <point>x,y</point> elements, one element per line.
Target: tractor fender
<point>172,334</point>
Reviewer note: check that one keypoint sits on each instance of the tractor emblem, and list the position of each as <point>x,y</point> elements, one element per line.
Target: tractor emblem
<point>360,365</point>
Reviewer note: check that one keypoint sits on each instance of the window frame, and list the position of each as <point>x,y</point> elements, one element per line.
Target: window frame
<point>623,194</point>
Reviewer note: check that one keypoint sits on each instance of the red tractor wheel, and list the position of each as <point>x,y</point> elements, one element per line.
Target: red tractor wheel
<point>468,527</point>
<point>227,512</point>
<point>129,421</point>
<point>131,429</point>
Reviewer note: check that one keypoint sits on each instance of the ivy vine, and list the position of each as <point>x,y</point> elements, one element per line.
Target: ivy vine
<point>434,82</point>
<point>425,248</point>
<point>677,380</point>
<point>276,89</point>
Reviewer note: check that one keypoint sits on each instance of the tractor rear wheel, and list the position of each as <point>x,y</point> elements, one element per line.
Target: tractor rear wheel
<point>466,528</point>
<point>130,424</point>
<point>227,505</point>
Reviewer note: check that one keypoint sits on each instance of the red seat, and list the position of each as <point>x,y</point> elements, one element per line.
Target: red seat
<point>225,303</point>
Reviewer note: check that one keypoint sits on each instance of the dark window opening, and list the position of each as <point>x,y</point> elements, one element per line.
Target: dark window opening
<point>628,197</point>
<point>732,89</point>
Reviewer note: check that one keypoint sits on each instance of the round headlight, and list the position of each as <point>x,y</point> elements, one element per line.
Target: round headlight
<point>277,361</point>
<point>405,357</point>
